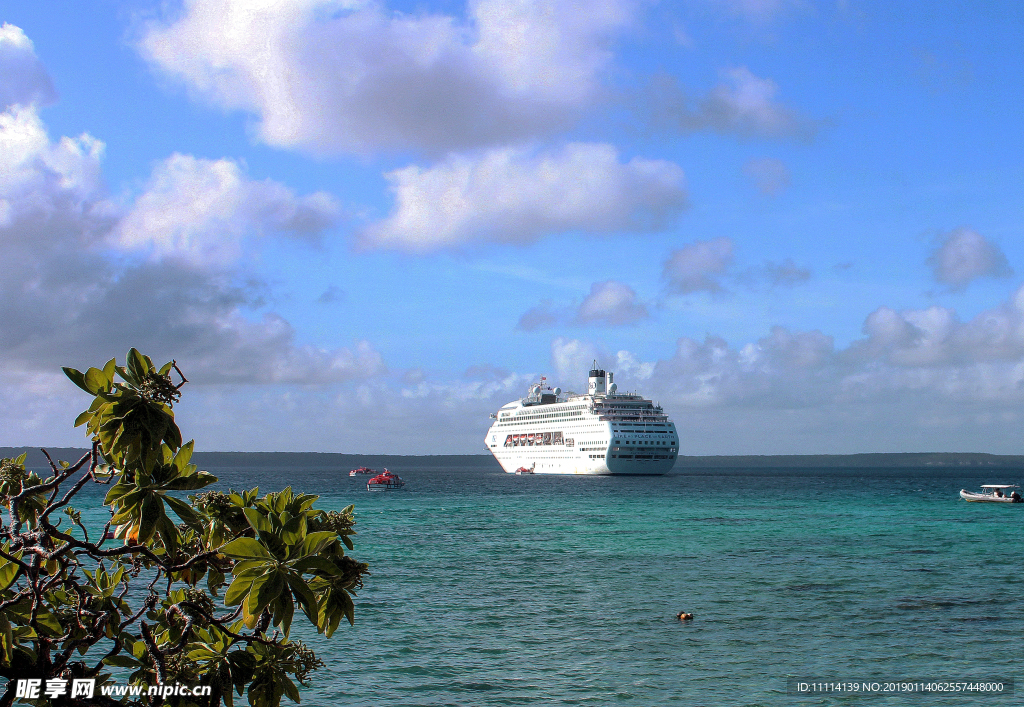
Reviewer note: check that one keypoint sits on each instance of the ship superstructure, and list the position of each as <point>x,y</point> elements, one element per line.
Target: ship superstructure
<point>600,432</point>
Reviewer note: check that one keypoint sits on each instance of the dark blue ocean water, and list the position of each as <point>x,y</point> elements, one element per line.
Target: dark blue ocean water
<point>490,589</point>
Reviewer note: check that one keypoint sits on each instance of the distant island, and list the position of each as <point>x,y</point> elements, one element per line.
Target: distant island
<point>777,461</point>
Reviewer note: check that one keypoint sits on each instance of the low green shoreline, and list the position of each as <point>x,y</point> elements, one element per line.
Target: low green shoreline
<point>346,461</point>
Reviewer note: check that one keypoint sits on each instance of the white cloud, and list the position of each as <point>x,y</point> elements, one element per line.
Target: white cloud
<point>613,303</point>
<point>572,360</point>
<point>746,105</point>
<point>769,175</point>
<point>787,273</point>
<point>743,105</point>
<point>697,267</point>
<point>773,274</point>
<point>927,356</point>
<point>202,211</point>
<point>610,303</point>
<point>49,189</point>
<point>964,255</point>
<point>23,78</point>
<point>936,336</point>
<point>628,367</point>
<point>65,299</point>
<point>328,77</point>
<point>516,195</point>
<point>546,314</point>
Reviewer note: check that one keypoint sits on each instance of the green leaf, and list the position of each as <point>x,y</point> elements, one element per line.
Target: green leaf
<point>214,579</point>
<point>121,661</point>
<point>304,595</point>
<point>9,570</point>
<point>109,368</point>
<point>252,608</point>
<point>6,640</point>
<point>184,511</point>
<point>238,590</point>
<point>49,622</point>
<point>270,589</point>
<point>284,611</point>
<point>251,568</point>
<point>152,512</point>
<point>96,381</point>
<point>136,363</point>
<point>247,548</point>
<point>317,562</point>
<point>117,491</point>
<point>315,542</point>
<point>290,689</point>
<point>257,520</point>
<point>191,482</point>
<point>184,454</point>
<point>77,377</point>
<point>349,607</point>
<point>294,529</point>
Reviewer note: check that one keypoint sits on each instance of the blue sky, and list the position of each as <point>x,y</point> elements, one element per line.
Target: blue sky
<point>360,227</point>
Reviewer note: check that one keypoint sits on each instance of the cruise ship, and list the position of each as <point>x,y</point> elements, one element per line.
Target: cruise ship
<point>601,432</point>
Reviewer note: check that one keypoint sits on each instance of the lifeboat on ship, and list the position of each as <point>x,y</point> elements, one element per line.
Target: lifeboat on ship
<point>361,470</point>
<point>385,481</point>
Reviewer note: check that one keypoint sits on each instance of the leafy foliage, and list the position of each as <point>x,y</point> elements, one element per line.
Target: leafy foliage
<point>199,591</point>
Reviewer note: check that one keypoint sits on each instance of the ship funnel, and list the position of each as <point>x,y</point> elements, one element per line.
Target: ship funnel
<point>598,381</point>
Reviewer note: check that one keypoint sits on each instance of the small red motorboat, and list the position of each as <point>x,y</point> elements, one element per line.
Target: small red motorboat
<point>361,470</point>
<point>523,470</point>
<point>385,481</point>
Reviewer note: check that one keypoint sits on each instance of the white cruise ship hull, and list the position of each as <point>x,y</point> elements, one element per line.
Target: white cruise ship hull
<point>541,463</point>
<point>600,433</point>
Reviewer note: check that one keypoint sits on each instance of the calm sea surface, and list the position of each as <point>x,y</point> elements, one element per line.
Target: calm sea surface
<point>490,589</point>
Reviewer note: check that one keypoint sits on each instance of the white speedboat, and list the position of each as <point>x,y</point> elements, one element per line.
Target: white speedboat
<point>993,493</point>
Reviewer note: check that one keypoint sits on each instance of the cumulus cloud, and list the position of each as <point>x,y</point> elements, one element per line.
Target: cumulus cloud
<point>629,367</point>
<point>916,381</point>
<point>937,337</point>
<point>516,195</point>
<point>66,298</point>
<point>770,176</point>
<point>610,303</point>
<point>326,77</point>
<point>49,189</point>
<point>24,80</point>
<point>613,303</point>
<point>699,266</point>
<point>928,356</point>
<point>544,315</point>
<point>202,211</point>
<point>572,360</point>
<point>746,105</point>
<point>785,274</point>
<point>743,105</point>
<point>964,255</point>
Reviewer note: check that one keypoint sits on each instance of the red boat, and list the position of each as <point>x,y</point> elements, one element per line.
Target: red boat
<point>361,470</point>
<point>524,470</point>
<point>385,481</point>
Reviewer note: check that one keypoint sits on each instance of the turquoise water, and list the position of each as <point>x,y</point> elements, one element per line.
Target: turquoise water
<point>490,589</point>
